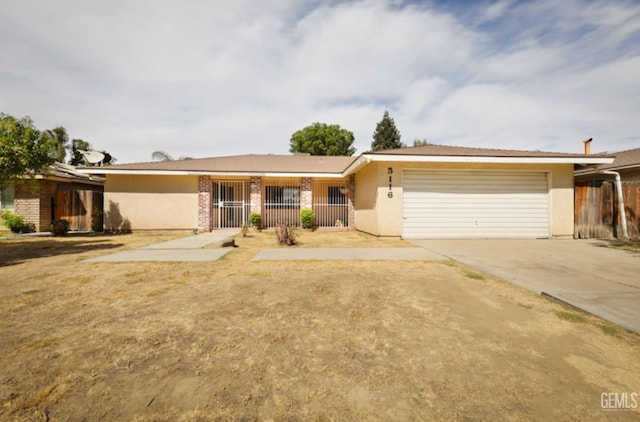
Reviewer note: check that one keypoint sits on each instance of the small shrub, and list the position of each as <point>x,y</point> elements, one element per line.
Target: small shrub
<point>306,218</point>
<point>28,228</point>
<point>244,230</point>
<point>16,223</point>
<point>59,227</point>
<point>286,235</point>
<point>255,220</point>
<point>97,221</point>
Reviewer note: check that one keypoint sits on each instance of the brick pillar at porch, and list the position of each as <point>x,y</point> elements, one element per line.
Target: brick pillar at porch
<point>256,194</point>
<point>306,196</point>
<point>350,196</point>
<point>204,204</point>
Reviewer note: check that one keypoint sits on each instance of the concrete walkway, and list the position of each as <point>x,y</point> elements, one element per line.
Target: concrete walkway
<point>347,254</point>
<point>586,274</point>
<point>185,249</point>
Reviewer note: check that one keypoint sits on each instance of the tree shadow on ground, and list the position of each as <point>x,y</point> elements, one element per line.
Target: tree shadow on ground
<point>13,252</point>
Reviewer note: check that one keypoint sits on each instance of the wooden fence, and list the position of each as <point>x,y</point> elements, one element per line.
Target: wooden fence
<point>77,206</point>
<point>596,209</point>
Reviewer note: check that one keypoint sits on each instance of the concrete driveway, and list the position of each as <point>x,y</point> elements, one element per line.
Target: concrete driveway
<point>584,273</point>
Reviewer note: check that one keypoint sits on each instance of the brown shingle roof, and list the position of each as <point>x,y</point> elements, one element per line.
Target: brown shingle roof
<point>444,150</point>
<point>624,159</point>
<point>250,163</point>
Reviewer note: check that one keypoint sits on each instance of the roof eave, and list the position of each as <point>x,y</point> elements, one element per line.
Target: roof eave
<point>487,159</point>
<point>211,173</point>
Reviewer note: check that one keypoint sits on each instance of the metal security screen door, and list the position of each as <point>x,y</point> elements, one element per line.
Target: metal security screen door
<point>231,203</point>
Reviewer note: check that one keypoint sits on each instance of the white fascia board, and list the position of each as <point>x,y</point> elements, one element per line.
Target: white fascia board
<point>210,173</point>
<point>491,160</point>
<point>356,165</point>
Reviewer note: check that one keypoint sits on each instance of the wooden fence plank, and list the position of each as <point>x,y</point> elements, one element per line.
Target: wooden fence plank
<point>596,211</point>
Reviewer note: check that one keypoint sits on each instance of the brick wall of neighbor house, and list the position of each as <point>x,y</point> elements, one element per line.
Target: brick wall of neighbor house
<point>33,202</point>
<point>256,194</point>
<point>306,197</point>
<point>204,203</point>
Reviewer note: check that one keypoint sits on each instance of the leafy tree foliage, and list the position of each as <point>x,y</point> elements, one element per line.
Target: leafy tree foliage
<point>59,142</point>
<point>386,135</point>
<point>322,139</point>
<point>420,142</point>
<point>165,156</point>
<point>23,149</point>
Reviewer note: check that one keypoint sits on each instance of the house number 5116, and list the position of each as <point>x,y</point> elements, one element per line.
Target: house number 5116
<point>390,173</point>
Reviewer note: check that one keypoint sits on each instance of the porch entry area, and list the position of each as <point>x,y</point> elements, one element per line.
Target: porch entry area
<point>278,201</point>
<point>231,200</point>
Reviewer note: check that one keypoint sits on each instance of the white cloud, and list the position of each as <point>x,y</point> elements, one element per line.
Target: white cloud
<point>204,78</point>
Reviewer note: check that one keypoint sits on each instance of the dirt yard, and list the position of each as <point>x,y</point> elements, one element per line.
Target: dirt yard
<point>242,340</point>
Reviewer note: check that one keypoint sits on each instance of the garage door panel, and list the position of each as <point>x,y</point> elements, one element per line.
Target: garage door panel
<point>454,204</point>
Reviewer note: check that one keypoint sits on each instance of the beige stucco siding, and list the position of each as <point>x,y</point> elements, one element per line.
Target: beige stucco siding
<point>153,202</point>
<point>379,213</point>
<point>365,199</point>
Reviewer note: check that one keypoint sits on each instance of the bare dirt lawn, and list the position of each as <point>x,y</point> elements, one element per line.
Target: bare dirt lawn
<point>242,340</point>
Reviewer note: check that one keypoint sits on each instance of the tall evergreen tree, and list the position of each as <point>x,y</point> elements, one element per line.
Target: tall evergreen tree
<point>386,135</point>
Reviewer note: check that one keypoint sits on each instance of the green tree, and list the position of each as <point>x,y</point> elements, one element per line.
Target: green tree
<point>322,139</point>
<point>386,135</point>
<point>78,145</point>
<point>165,156</point>
<point>24,150</point>
<point>420,142</point>
<point>59,144</point>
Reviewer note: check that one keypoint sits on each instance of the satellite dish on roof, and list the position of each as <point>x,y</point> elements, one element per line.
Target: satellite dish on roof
<point>92,157</point>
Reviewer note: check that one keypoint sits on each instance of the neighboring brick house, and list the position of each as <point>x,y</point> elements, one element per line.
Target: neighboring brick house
<point>432,191</point>
<point>62,193</point>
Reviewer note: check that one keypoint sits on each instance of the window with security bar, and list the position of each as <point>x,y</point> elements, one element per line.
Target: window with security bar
<point>281,203</point>
<point>330,204</point>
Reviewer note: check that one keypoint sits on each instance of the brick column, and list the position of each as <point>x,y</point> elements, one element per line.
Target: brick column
<point>350,199</point>
<point>256,194</point>
<point>306,196</point>
<point>27,202</point>
<point>204,203</point>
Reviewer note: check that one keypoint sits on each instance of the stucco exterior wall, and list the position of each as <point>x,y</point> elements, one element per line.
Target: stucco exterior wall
<point>378,201</point>
<point>152,202</point>
<point>365,214</point>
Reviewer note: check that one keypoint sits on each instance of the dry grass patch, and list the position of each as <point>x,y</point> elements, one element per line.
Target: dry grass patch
<point>242,340</point>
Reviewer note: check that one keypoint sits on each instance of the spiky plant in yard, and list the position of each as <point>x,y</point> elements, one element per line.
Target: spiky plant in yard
<point>286,235</point>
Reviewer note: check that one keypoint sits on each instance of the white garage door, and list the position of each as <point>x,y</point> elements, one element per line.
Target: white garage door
<point>474,204</point>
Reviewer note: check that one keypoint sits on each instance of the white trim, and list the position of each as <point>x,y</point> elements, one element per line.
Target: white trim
<point>490,160</point>
<point>213,173</point>
<point>363,160</point>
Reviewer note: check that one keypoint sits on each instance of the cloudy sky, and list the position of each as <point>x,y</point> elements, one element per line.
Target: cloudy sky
<point>203,77</point>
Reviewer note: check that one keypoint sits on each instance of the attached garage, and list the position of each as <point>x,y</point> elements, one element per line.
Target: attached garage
<point>475,204</point>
